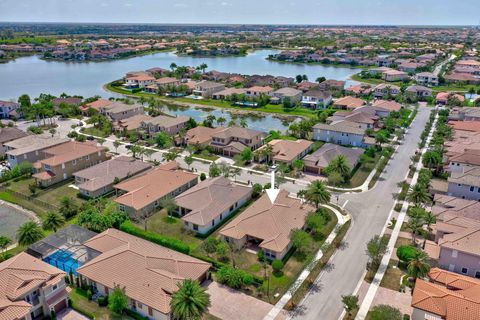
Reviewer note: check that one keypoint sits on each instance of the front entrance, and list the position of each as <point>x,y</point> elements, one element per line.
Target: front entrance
<point>60,306</point>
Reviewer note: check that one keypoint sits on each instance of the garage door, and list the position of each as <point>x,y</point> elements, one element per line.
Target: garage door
<point>60,306</point>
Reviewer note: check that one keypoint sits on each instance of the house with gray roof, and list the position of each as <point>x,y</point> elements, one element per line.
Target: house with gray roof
<point>167,124</point>
<point>320,159</point>
<point>119,111</point>
<point>465,184</point>
<point>341,132</point>
<point>98,180</point>
<point>30,148</point>
<point>293,94</point>
<point>207,204</point>
<point>8,134</point>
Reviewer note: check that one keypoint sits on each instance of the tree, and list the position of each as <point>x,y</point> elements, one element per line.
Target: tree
<point>118,300</point>
<point>432,159</point>
<point>406,253</point>
<point>52,131</point>
<point>68,208</point>
<point>188,160</point>
<point>415,224</point>
<point>298,78</point>
<point>173,66</point>
<point>101,141</point>
<point>214,170</point>
<point>234,172</point>
<point>191,301</point>
<point>221,121</point>
<point>170,156</point>
<point>277,266</point>
<point>317,193</point>
<point>376,248</point>
<point>335,178</point>
<point>418,194</point>
<point>340,165</point>
<point>29,233</point>
<point>301,241</point>
<point>169,204</point>
<point>383,312</point>
<point>53,221</point>
<point>243,123</point>
<point>246,156</point>
<point>4,243</point>
<point>163,140</point>
<point>418,266</point>
<point>135,150</point>
<point>380,138</point>
<point>429,219</point>
<point>320,79</point>
<point>116,144</point>
<point>350,303</point>
<point>298,166</point>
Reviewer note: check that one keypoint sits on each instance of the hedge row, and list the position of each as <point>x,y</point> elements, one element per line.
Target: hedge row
<point>171,243</point>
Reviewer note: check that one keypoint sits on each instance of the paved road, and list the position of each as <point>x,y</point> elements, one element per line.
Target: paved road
<point>370,211</point>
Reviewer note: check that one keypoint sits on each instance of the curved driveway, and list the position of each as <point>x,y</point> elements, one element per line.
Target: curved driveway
<point>370,211</point>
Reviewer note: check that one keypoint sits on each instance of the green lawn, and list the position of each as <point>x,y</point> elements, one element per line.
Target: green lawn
<point>95,132</point>
<point>91,308</point>
<point>392,277</point>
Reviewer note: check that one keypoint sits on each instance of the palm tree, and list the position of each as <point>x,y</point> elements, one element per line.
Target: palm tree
<point>190,301</point>
<point>317,193</point>
<point>53,221</point>
<point>243,123</point>
<point>4,243</point>
<point>173,66</point>
<point>135,150</point>
<point>170,156</point>
<point>168,203</point>
<point>416,225</point>
<point>429,219</point>
<point>418,266</point>
<point>419,195</point>
<point>341,165</point>
<point>203,67</point>
<point>29,233</point>
<point>234,172</point>
<point>221,121</point>
<point>116,144</point>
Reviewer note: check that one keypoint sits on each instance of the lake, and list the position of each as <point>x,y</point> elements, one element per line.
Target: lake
<point>10,220</point>
<point>33,75</point>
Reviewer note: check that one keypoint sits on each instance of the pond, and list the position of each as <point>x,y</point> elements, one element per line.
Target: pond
<point>10,220</point>
<point>33,75</point>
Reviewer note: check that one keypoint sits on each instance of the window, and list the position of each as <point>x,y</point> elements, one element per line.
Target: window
<point>464,270</point>
<point>63,165</point>
<point>139,305</point>
<point>477,274</point>
<point>87,157</point>
<point>150,311</point>
<point>121,208</point>
<point>472,188</point>
<point>213,223</point>
<point>74,162</point>
<point>54,287</point>
<point>195,227</point>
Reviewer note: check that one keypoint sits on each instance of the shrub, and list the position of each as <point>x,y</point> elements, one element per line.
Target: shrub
<point>89,294</point>
<point>406,253</point>
<point>210,245</point>
<point>203,176</point>
<point>171,243</point>
<point>277,266</point>
<point>103,301</point>
<point>261,256</point>
<point>234,278</point>
<point>382,312</point>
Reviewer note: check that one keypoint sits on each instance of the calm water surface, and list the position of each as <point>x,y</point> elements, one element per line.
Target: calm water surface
<point>33,75</point>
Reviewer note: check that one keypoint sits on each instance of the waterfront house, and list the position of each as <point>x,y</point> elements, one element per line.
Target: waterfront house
<point>95,105</point>
<point>292,94</point>
<point>148,272</point>
<point>168,124</point>
<point>204,206</point>
<point>201,136</point>
<point>133,123</point>
<point>30,288</point>
<point>316,99</point>
<point>140,196</point>
<point>99,179</point>
<point>257,91</point>
<point>7,109</point>
<point>332,85</point>
<point>267,226</point>
<point>8,134</point>
<point>321,158</point>
<point>233,140</point>
<point>227,93</point>
<point>138,81</point>
<point>30,148</point>
<point>206,89</point>
<point>61,162</point>
<point>394,75</point>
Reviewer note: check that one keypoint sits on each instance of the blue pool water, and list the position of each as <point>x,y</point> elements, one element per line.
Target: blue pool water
<point>63,259</point>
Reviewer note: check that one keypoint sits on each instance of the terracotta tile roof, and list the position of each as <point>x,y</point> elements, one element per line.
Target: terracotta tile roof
<point>272,223</point>
<point>448,205</point>
<point>349,102</point>
<point>465,125</point>
<point>388,105</point>
<point>18,276</point>
<point>201,134</point>
<point>208,199</point>
<point>288,150</point>
<point>153,185</point>
<point>31,143</point>
<point>167,121</point>
<point>326,153</point>
<point>149,272</point>
<point>471,157</point>
<point>98,104</point>
<point>449,295</point>
<point>238,132</point>
<point>470,177</point>
<point>133,123</point>
<point>69,151</point>
<point>9,134</point>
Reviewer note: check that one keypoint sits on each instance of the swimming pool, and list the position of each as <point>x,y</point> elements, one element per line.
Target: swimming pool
<point>64,260</point>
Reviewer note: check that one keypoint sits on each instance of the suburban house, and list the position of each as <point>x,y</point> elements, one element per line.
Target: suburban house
<point>465,161</point>
<point>445,98</point>
<point>139,81</point>
<point>141,195</point>
<point>384,90</point>
<point>471,126</point>
<point>321,158</point>
<point>418,92</point>
<point>286,151</point>
<point>148,272</point>
<point>267,226</point>
<point>316,99</point>
<point>206,89</point>
<point>465,184</point>
<point>348,103</point>
<point>331,85</point>
<point>131,124</point>
<point>95,105</point>
<point>394,75</point>
<point>359,90</point>
<point>30,288</point>
<point>8,134</point>
<point>204,206</point>
<point>99,179</point>
<point>465,114</point>
<point>387,105</point>
<point>119,111</point>
<point>426,79</point>
<point>447,296</point>
<point>61,162</point>
<point>455,246</point>
<point>167,82</point>
<point>365,117</point>
<point>257,91</point>
<point>7,109</point>
<point>167,124</point>
<point>233,140</point>
<point>341,132</point>
<point>292,94</point>
<point>228,92</point>
<point>29,148</point>
<point>201,136</point>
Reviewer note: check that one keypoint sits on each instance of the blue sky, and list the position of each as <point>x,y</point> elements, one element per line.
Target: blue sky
<point>391,12</point>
